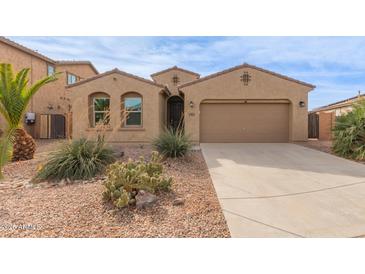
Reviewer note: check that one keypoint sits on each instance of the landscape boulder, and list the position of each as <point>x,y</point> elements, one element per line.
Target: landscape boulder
<point>145,199</point>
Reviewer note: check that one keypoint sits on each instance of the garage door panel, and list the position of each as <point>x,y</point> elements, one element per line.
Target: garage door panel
<point>235,123</point>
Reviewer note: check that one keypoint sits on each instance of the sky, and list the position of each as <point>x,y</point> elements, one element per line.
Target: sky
<point>335,65</point>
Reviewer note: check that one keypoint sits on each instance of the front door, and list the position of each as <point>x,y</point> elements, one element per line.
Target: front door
<point>175,112</point>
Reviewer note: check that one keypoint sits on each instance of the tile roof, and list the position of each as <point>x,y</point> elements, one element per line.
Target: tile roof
<point>245,65</point>
<point>77,62</point>
<point>25,49</point>
<point>115,71</point>
<point>175,68</point>
<point>43,57</point>
<point>341,103</point>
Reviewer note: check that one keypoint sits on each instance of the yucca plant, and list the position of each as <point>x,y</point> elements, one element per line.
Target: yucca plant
<point>15,95</point>
<point>172,143</point>
<point>79,159</point>
<point>349,133</point>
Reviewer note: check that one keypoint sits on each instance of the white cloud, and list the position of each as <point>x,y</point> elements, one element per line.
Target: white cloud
<point>335,64</point>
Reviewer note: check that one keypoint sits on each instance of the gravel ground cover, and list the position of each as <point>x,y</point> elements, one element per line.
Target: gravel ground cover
<point>324,146</point>
<point>77,209</point>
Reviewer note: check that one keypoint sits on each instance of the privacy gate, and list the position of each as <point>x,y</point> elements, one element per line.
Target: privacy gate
<point>313,125</point>
<point>52,126</point>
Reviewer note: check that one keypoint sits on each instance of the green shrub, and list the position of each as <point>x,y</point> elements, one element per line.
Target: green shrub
<point>172,143</point>
<point>124,180</point>
<point>80,159</point>
<point>349,133</point>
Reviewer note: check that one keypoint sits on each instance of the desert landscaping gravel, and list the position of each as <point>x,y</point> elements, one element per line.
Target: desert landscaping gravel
<point>191,209</point>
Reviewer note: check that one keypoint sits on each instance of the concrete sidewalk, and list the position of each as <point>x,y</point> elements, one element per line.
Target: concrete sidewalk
<point>286,190</point>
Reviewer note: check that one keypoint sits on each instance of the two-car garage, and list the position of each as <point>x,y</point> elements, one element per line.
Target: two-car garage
<point>244,121</point>
<point>246,104</point>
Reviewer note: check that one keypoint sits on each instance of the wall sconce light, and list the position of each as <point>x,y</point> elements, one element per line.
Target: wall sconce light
<point>191,104</point>
<point>302,104</point>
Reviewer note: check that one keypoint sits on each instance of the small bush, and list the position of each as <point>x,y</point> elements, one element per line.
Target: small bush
<point>173,143</point>
<point>349,133</point>
<point>80,159</point>
<point>124,180</point>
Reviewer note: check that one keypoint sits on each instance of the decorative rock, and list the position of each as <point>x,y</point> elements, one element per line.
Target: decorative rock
<point>29,185</point>
<point>144,199</point>
<point>4,213</point>
<point>178,201</point>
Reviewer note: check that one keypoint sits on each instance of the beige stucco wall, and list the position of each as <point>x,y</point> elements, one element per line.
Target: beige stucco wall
<point>165,78</point>
<point>261,86</point>
<point>51,95</point>
<point>162,107</point>
<point>54,94</point>
<point>20,60</point>
<point>117,85</point>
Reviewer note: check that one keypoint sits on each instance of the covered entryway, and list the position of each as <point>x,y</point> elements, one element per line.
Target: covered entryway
<point>175,112</point>
<point>241,122</point>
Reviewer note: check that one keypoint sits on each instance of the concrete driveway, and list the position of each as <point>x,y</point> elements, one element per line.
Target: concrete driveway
<point>286,190</point>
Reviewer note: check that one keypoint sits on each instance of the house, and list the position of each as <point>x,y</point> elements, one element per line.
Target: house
<point>241,104</point>
<point>325,116</point>
<point>50,105</point>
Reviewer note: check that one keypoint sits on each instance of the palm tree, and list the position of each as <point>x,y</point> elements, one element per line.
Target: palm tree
<point>15,95</point>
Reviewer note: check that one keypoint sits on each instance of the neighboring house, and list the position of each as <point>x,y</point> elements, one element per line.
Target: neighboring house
<point>326,116</point>
<point>241,104</point>
<point>50,105</point>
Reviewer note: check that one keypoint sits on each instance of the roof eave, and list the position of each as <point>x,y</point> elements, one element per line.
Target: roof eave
<point>138,78</point>
<point>340,104</point>
<point>175,68</point>
<point>245,65</point>
<point>65,63</point>
<point>26,50</point>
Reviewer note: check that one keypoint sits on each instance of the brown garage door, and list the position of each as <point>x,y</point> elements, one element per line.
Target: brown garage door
<point>244,122</point>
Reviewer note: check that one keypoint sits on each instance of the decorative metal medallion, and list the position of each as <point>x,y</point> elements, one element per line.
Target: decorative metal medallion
<point>245,78</point>
<point>175,79</point>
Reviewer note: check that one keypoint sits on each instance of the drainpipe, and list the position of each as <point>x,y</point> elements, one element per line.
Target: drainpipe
<point>31,128</point>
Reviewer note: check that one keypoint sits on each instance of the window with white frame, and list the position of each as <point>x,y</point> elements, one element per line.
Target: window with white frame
<point>50,70</point>
<point>101,108</point>
<point>133,111</point>
<point>71,78</point>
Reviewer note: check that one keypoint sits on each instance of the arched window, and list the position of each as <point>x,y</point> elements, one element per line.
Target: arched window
<point>99,109</point>
<point>132,106</point>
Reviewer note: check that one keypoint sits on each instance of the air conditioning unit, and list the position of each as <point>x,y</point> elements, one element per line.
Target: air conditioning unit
<point>30,118</point>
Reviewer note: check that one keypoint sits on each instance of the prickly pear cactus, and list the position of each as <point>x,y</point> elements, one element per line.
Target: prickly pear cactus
<point>125,179</point>
<point>123,200</point>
